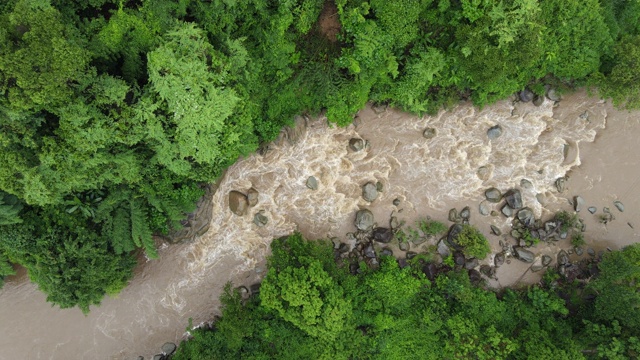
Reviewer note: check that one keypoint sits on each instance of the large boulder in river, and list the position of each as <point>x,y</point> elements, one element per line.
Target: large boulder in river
<point>526,95</point>
<point>364,220</point>
<point>252,197</point>
<point>494,132</point>
<point>370,192</point>
<point>493,195</point>
<point>525,215</point>
<point>514,198</point>
<point>238,202</point>
<point>525,255</point>
<point>452,236</point>
<point>169,348</point>
<point>383,235</point>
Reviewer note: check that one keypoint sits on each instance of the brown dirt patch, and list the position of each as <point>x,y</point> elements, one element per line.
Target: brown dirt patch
<point>329,21</point>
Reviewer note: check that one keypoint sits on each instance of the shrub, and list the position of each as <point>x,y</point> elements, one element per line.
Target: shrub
<point>473,242</point>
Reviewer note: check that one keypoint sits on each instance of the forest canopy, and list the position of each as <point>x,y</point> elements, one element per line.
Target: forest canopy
<point>114,113</point>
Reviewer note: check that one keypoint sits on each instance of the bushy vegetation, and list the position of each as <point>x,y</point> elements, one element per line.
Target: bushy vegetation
<point>309,308</point>
<point>113,113</point>
<point>473,243</point>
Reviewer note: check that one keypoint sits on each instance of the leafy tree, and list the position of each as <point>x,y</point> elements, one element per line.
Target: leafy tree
<point>474,244</point>
<point>621,84</point>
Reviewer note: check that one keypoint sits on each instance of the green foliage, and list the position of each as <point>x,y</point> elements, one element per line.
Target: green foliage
<point>473,242</point>
<point>621,83</point>
<point>9,209</point>
<point>567,221</point>
<point>5,269</point>
<point>577,240</point>
<point>432,227</point>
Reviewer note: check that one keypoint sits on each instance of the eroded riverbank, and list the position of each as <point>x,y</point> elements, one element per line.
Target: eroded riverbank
<point>428,176</point>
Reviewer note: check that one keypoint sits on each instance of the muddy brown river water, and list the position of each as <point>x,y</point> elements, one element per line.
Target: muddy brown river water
<point>584,138</point>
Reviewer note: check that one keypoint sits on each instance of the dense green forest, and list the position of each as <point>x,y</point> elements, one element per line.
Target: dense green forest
<point>114,113</point>
<point>308,307</point>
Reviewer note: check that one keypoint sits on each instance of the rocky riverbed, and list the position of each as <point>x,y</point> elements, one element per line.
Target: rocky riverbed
<point>387,165</point>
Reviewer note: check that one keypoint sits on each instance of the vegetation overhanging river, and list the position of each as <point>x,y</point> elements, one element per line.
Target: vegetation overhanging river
<point>582,137</point>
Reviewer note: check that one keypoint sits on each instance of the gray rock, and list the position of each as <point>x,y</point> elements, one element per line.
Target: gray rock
<point>429,133</point>
<point>404,246</point>
<point>619,205</point>
<point>495,230</point>
<point>563,258</point>
<point>494,132</point>
<point>524,255</point>
<point>488,271</point>
<point>514,198</point>
<point>396,202</point>
<point>526,184</point>
<point>452,236</point>
<point>383,235</point>
<point>260,220</point>
<point>394,223</point>
<point>465,213</point>
<point>484,208</point>
<point>536,267</point>
<point>538,100</point>
<point>159,357</point>
<point>238,203</point>
<point>386,252</point>
<point>368,251</point>
<point>312,183</point>
<point>591,252</point>
<point>546,260</point>
<point>344,248</point>
<point>553,95</point>
<point>592,209</point>
<point>507,210</point>
<point>364,220</point>
<point>493,195</point>
<point>453,215</point>
<point>471,264</point>
<point>525,215</point>
<point>356,144</point>
<point>499,259</point>
<point>169,348</point>
<point>560,184</point>
<point>243,291</point>
<point>252,197</point>
<point>579,251</point>
<point>578,203</point>
<point>564,235</point>
<point>484,173</point>
<point>411,255</point>
<point>369,192</point>
<point>443,249</point>
<point>526,95</point>
<point>458,258</point>
<point>550,226</point>
<point>515,234</point>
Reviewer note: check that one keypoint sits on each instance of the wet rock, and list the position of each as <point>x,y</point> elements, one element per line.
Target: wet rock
<point>484,173</point>
<point>252,197</point>
<point>260,220</point>
<point>538,100</point>
<point>453,215</point>
<point>564,235</point>
<point>452,236</point>
<point>430,270</point>
<point>560,184</point>
<point>526,184</point>
<point>458,258</point>
<point>525,215</point>
<point>591,252</point>
<point>243,291</point>
<point>514,198</point>
<point>356,144</point>
<point>515,234</point>
<point>471,263</point>
<point>383,235</point>
<point>592,209</point>
<point>344,248</point>
<point>526,95</point>
<point>507,210</point>
<point>474,276</point>
<point>429,133</point>
<point>411,255</point>
<point>536,267</point>
<point>465,213</point>
<point>364,220</point>
<point>493,195</point>
<point>484,208</point>
<point>495,230</point>
<point>369,192</point>
<point>494,132</point>
<point>546,260</point>
<point>499,259</point>
<point>553,95</point>
<point>419,240</point>
<point>524,255</point>
<point>159,357</point>
<point>578,203</point>
<point>579,251</point>
<point>380,108</point>
<point>404,246</point>
<point>312,183</point>
<point>402,263</point>
<point>550,226</point>
<point>238,203</point>
<point>443,249</point>
<point>379,187</point>
<point>386,252</point>
<point>394,223</point>
<point>396,202</point>
<point>488,271</point>
<point>619,205</point>
<point>368,251</point>
<point>169,348</point>
<point>563,258</point>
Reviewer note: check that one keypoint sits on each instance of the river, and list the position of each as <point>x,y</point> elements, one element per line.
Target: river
<point>582,137</point>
